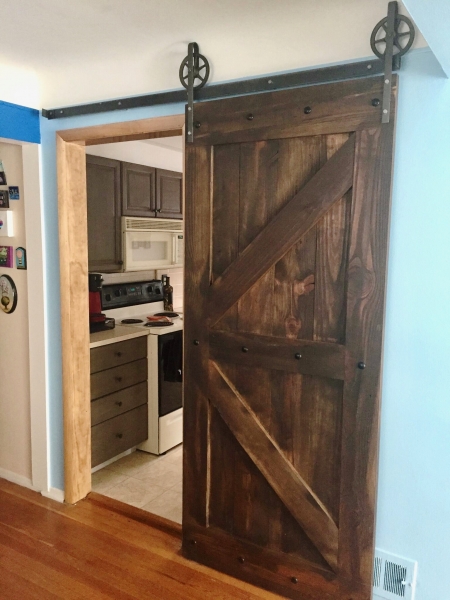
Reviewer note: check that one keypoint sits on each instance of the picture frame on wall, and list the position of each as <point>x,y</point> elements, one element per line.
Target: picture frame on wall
<point>4,199</point>
<point>21,258</point>
<point>2,175</point>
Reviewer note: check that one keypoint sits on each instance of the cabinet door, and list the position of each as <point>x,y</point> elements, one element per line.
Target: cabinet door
<point>169,194</point>
<point>103,209</point>
<point>138,190</point>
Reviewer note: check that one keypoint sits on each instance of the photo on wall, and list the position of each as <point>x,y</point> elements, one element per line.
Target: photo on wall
<point>4,199</point>
<point>2,174</point>
<point>6,256</point>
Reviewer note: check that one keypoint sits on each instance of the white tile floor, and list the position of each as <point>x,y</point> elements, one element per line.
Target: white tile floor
<point>150,482</point>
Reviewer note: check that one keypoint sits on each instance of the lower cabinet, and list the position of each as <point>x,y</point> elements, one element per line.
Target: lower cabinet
<point>119,395</point>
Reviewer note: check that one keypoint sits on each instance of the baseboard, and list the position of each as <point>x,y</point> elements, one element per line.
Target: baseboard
<point>54,494</point>
<point>18,479</point>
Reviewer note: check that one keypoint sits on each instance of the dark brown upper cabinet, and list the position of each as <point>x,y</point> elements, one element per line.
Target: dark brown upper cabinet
<point>103,213</point>
<point>169,194</point>
<point>138,190</point>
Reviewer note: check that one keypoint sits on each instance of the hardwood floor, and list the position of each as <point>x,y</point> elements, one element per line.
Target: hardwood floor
<point>99,549</point>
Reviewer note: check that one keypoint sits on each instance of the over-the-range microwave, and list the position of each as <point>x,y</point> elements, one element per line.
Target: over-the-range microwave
<point>152,243</point>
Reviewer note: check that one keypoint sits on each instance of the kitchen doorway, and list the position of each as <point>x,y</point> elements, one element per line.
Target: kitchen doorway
<point>135,209</point>
<point>72,195</point>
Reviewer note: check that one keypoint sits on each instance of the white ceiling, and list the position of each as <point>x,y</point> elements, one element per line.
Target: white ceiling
<point>97,49</point>
<point>173,142</point>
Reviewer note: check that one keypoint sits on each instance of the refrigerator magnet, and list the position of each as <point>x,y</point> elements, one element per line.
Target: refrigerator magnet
<point>21,258</point>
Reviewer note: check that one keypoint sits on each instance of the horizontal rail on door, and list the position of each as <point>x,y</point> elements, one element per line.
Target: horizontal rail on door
<point>267,83</point>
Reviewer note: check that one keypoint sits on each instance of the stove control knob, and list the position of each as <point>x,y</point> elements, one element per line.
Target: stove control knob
<point>117,293</point>
<point>108,297</point>
<point>150,289</point>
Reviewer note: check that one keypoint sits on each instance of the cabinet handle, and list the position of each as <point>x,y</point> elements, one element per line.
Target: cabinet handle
<point>119,403</point>
<point>118,354</point>
<point>118,379</point>
<point>119,435</point>
<point>158,210</point>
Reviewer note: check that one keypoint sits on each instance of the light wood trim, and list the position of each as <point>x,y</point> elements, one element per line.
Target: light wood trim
<point>127,131</point>
<point>135,137</point>
<point>72,206</point>
<point>71,164</point>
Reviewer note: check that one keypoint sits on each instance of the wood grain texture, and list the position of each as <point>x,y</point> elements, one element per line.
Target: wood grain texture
<point>268,352</point>
<point>286,441</point>
<point>115,379</point>
<point>196,415</point>
<point>118,434</point>
<point>118,403</point>
<point>103,209</point>
<point>169,196</point>
<point>138,190</point>
<point>295,494</point>
<point>99,549</point>
<point>124,131</point>
<point>72,209</point>
<point>364,340</point>
<point>290,224</point>
<point>333,234</point>
<point>119,353</point>
<point>335,108</point>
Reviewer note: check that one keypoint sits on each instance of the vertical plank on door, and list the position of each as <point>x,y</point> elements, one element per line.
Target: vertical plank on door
<point>364,327</point>
<point>225,223</point>
<point>196,404</point>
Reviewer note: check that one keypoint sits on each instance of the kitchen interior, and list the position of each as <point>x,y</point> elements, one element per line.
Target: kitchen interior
<point>136,256</point>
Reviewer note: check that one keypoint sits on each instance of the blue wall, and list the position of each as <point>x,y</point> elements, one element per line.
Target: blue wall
<point>414,485</point>
<point>19,123</point>
<point>414,489</point>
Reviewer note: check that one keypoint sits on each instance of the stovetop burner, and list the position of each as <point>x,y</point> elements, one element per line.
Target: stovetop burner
<point>166,314</point>
<point>158,324</point>
<point>131,321</point>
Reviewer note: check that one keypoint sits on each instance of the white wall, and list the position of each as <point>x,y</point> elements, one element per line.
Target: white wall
<point>141,153</point>
<point>15,424</point>
<point>86,51</point>
<point>19,85</point>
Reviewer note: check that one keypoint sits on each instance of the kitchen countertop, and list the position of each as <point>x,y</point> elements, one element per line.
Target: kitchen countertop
<point>118,334</point>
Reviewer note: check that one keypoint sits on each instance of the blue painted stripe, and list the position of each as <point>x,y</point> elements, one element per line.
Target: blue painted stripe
<point>19,123</point>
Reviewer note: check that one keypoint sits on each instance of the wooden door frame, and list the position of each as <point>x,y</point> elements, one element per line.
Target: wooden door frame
<point>73,249</point>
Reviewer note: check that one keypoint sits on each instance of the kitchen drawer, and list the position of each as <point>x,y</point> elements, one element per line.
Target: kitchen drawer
<point>116,435</point>
<point>119,353</point>
<point>119,378</point>
<point>118,403</point>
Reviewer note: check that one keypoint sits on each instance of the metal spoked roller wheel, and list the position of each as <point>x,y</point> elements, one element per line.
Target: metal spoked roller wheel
<point>403,36</point>
<point>201,71</point>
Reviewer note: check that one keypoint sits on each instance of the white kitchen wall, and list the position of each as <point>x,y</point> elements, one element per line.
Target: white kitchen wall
<point>15,424</point>
<point>142,153</point>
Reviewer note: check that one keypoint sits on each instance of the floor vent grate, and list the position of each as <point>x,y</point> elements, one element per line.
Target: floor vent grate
<point>394,577</point>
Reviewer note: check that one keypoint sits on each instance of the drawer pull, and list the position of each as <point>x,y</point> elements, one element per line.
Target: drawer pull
<point>118,354</point>
<point>119,403</point>
<point>118,379</point>
<point>119,435</point>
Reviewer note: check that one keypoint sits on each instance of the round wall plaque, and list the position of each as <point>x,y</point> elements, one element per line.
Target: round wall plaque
<point>8,294</point>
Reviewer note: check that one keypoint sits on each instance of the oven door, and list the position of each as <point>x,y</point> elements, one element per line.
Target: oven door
<point>145,250</point>
<point>170,364</point>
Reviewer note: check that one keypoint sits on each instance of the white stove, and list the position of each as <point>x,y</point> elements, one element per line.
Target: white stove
<point>130,305</point>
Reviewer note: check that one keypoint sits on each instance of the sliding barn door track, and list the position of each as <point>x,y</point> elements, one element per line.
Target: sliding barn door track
<point>391,38</point>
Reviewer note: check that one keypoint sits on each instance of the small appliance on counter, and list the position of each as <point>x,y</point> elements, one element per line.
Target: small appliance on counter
<point>97,320</point>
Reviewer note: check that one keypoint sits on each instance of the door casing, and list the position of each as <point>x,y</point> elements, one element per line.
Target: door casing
<point>73,244</point>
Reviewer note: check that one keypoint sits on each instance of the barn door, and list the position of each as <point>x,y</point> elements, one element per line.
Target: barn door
<point>287,205</point>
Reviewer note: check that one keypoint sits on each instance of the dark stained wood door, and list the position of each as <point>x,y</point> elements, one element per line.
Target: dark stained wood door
<point>169,194</point>
<point>138,190</point>
<point>287,205</point>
